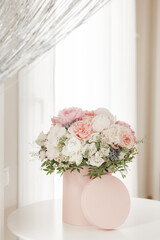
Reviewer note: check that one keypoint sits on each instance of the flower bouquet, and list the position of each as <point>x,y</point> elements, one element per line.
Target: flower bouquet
<point>87,147</point>
<point>80,138</point>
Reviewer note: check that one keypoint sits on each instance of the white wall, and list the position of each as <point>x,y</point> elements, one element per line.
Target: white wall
<point>10,148</point>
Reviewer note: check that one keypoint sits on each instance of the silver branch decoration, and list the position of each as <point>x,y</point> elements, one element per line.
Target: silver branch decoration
<point>29,28</point>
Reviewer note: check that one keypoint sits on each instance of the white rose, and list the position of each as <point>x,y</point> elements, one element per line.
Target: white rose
<point>41,139</point>
<point>62,132</point>
<point>91,148</point>
<point>100,122</point>
<point>97,160</point>
<point>111,135</point>
<point>106,112</point>
<point>105,151</point>
<point>73,145</point>
<point>77,158</point>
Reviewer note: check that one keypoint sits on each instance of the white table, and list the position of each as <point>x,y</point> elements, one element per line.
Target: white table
<point>42,221</point>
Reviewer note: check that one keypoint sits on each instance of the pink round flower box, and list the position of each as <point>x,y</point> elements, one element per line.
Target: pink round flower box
<point>104,202</point>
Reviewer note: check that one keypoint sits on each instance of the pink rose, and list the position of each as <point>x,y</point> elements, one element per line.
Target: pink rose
<point>82,129</point>
<point>68,115</point>
<point>126,138</point>
<point>121,123</point>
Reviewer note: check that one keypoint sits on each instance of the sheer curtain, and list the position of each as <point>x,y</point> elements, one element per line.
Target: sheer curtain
<point>36,106</point>
<point>1,160</point>
<point>93,67</point>
<point>96,67</point>
<point>148,78</point>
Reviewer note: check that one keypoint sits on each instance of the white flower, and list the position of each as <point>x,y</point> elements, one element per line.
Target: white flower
<point>70,131</point>
<point>105,151</point>
<point>111,135</point>
<point>106,112</point>
<point>52,152</point>
<point>94,137</point>
<point>69,135</point>
<point>55,133</point>
<point>96,160</point>
<point>77,158</point>
<point>42,155</point>
<point>73,150</point>
<point>52,137</point>
<point>61,132</point>
<point>72,146</point>
<point>100,122</point>
<point>121,155</point>
<point>41,139</point>
<point>91,148</point>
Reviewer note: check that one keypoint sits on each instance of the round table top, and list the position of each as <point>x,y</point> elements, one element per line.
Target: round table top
<point>43,220</point>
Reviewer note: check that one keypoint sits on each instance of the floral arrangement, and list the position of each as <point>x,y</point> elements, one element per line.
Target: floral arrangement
<point>80,138</point>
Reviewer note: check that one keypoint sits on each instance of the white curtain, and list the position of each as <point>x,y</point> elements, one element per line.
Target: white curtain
<point>155,182</point>
<point>1,160</point>
<point>94,67</point>
<point>36,106</point>
<point>148,79</point>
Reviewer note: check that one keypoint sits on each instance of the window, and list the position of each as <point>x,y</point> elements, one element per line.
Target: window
<point>93,67</point>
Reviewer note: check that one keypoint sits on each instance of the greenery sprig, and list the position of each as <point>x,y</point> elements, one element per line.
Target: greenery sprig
<point>108,166</point>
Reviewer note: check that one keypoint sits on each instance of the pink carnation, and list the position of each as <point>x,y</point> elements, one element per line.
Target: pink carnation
<point>54,120</point>
<point>121,123</point>
<point>89,113</point>
<point>82,129</point>
<point>68,115</point>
